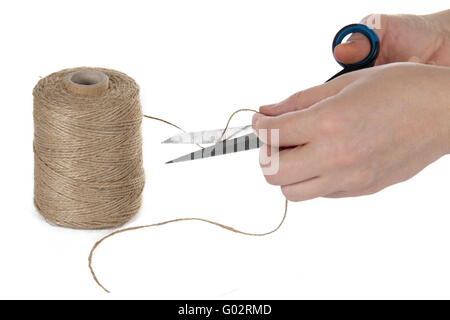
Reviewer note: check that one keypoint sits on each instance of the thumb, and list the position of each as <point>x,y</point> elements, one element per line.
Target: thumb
<point>354,50</point>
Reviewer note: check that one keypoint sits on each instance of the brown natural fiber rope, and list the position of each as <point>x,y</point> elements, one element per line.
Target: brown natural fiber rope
<point>165,121</point>
<point>170,124</point>
<point>88,152</point>
<point>172,221</point>
<point>183,219</point>
<point>88,148</point>
<point>231,117</point>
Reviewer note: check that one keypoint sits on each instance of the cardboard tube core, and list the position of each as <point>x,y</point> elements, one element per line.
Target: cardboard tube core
<point>87,82</point>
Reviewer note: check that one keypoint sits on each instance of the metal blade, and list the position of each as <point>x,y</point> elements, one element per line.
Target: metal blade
<point>206,136</point>
<point>247,142</point>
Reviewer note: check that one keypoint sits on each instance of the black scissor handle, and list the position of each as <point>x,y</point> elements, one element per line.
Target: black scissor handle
<point>368,61</point>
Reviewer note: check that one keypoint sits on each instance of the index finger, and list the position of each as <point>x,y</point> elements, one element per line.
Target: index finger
<point>296,127</point>
<point>292,128</point>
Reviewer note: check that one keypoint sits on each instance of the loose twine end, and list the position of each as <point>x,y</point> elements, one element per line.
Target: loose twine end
<point>173,221</point>
<point>91,254</point>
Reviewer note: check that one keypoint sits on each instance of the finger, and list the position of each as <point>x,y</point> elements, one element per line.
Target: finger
<point>267,108</point>
<point>358,46</point>
<point>306,98</point>
<point>356,49</point>
<point>306,190</point>
<point>287,130</point>
<point>294,165</point>
<point>293,128</point>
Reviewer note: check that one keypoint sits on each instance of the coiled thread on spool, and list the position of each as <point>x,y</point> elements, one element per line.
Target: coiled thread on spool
<point>87,148</point>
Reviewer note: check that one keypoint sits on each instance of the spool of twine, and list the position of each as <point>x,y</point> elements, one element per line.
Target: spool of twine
<point>87,148</point>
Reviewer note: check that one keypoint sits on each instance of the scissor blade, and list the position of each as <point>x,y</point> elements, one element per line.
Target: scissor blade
<point>247,142</point>
<point>207,136</point>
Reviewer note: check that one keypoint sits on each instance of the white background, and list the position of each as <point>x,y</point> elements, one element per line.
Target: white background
<point>196,62</point>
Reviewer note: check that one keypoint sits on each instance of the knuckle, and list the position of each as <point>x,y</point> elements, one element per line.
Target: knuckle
<point>296,96</point>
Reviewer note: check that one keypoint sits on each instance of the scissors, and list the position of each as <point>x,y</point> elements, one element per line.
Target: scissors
<point>242,138</point>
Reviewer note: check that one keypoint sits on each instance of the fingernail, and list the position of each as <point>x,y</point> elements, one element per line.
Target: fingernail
<point>267,107</point>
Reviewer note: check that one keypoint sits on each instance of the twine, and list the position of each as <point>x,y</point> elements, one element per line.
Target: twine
<point>91,254</point>
<point>87,149</point>
<point>88,152</point>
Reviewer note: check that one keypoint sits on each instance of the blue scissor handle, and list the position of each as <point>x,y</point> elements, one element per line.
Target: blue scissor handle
<point>368,61</point>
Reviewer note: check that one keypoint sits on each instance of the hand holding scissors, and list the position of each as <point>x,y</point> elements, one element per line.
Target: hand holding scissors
<point>233,140</point>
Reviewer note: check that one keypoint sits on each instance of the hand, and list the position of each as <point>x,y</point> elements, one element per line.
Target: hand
<point>423,39</point>
<point>361,132</point>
